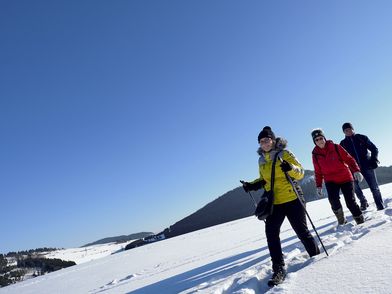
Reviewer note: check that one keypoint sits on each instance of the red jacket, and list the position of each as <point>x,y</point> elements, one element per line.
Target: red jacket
<point>331,166</point>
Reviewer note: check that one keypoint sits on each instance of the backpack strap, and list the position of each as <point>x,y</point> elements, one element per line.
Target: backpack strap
<point>315,156</point>
<point>273,171</point>
<point>337,151</point>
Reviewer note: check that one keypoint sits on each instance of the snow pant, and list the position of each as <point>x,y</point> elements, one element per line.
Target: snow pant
<point>359,193</point>
<point>371,180</point>
<point>295,213</point>
<point>333,190</point>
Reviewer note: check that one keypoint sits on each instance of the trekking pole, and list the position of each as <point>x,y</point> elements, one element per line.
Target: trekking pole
<point>303,205</point>
<point>251,196</point>
<point>254,201</point>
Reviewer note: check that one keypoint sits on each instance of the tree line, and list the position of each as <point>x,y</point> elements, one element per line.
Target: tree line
<point>28,261</point>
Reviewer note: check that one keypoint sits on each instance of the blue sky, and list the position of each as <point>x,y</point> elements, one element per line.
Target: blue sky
<point>125,116</point>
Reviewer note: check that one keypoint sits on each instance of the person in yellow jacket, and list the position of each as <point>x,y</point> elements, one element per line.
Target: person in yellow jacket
<point>286,202</point>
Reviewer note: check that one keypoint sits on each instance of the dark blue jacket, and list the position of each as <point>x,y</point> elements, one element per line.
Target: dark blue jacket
<point>359,146</point>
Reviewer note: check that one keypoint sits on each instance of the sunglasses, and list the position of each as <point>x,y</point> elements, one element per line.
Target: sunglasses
<point>265,140</point>
<point>319,139</point>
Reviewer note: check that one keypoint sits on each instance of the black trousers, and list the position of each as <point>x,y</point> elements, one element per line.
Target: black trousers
<point>333,190</point>
<point>295,213</point>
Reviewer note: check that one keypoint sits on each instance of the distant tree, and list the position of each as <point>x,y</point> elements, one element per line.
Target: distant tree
<point>3,261</point>
<point>17,274</point>
<point>46,265</point>
<point>5,281</point>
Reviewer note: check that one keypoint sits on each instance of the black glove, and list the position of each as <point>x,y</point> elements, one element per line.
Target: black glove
<point>286,166</point>
<point>252,186</point>
<point>374,159</point>
<point>373,162</point>
<point>245,186</point>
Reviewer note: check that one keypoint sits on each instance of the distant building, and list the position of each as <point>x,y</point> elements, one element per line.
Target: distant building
<point>154,238</point>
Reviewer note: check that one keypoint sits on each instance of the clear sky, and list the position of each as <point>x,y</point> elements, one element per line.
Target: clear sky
<point>125,116</point>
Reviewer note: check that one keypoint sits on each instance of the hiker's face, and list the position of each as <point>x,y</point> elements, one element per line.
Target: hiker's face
<point>266,144</point>
<point>348,132</point>
<point>320,141</point>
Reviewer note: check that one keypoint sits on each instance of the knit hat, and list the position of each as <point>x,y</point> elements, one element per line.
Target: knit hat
<point>266,133</point>
<point>347,125</point>
<point>317,133</point>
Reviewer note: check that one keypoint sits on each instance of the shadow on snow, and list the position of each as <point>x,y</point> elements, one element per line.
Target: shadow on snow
<point>220,270</point>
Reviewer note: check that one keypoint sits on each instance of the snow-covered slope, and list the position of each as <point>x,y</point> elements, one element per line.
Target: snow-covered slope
<point>88,253</point>
<point>233,258</point>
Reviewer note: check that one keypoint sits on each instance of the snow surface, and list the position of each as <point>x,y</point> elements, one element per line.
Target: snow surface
<point>89,253</point>
<point>233,258</point>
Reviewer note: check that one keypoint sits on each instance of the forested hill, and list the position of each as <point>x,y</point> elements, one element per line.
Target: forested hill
<point>236,204</point>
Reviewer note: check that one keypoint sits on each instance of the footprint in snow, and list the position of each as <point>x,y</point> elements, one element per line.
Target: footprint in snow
<point>114,282</point>
<point>388,211</point>
<point>128,277</point>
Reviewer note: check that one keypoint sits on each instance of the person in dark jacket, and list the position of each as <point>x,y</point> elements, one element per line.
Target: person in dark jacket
<point>366,155</point>
<point>338,169</point>
<point>286,202</point>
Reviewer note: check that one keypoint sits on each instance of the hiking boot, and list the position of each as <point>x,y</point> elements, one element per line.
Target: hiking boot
<point>278,277</point>
<point>317,252</point>
<point>340,216</point>
<point>359,219</point>
<point>364,205</point>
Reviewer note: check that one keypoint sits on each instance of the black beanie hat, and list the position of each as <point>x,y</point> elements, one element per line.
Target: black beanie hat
<point>317,133</point>
<point>347,125</point>
<point>266,133</point>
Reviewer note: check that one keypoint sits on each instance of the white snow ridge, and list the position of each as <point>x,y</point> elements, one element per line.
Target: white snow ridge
<point>233,258</point>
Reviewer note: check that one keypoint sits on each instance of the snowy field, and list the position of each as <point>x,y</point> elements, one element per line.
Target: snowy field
<point>89,253</point>
<point>233,258</point>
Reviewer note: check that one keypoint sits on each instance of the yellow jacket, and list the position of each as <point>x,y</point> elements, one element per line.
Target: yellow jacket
<point>283,190</point>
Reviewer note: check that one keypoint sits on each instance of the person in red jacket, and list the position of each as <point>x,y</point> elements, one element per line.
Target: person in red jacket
<point>333,164</point>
